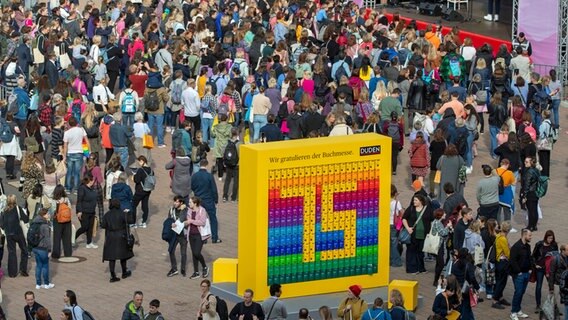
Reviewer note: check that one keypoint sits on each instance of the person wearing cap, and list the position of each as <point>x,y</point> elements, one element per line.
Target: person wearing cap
<point>353,307</point>
<point>522,41</point>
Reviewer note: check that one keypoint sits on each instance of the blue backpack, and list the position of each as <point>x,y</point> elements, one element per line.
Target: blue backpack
<point>6,134</point>
<point>76,111</point>
<point>128,103</point>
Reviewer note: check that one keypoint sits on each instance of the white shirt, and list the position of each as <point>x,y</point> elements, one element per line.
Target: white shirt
<point>395,207</point>
<point>140,129</point>
<point>74,139</point>
<point>94,53</point>
<point>191,102</point>
<point>123,95</point>
<point>102,92</point>
<point>468,53</point>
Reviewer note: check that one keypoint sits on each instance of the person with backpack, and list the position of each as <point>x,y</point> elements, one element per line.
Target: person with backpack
<point>546,249</point>
<point>247,309</point>
<point>18,105</point>
<point>528,194</point>
<point>145,182</point>
<point>453,65</point>
<point>558,274</point>
<point>10,147</point>
<point>377,311</point>
<point>87,199</point>
<point>395,131</point>
<point>128,102</point>
<point>537,99</point>
<point>155,98</point>
<point>119,137</point>
<point>208,304</point>
<point>498,114</point>
<point>231,161</point>
<point>70,300</point>
<point>340,68</point>
<point>177,87</point>
<point>180,173</point>
<point>397,311</point>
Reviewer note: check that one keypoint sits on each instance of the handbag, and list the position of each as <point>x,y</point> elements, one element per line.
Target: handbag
<point>403,235</point>
<point>438,176</point>
<point>548,307</point>
<point>431,243</point>
<point>397,220</point>
<point>129,237</point>
<point>472,297</point>
<point>478,255</point>
<point>38,56</point>
<point>205,230</point>
<point>532,276</point>
<point>147,141</point>
<point>23,225</point>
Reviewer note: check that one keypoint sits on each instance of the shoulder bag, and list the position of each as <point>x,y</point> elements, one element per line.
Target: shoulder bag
<point>129,237</point>
<point>404,237</point>
<point>432,243</point>
<point>205,230</point>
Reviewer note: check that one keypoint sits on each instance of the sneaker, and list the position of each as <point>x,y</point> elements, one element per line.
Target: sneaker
<point>489,296</point>
<point>162,146</point>
<point>505,302</point>
<point>205,272</point>
<point>38,287</point>
<point>469,170</point>
<point>24,274</point>
<point>497,305</point>
<point>126,274</point>
<point>183,273</point>
<point>521,314</point>
<point>133,226</point>
<point>91,246</point>
<point>168,129</point>
<point>488,17</point>
<point>514,316</point>
<point>224,199</point>
<point>220,179</point>
<point>142,225</point>
<point>195,275</point>
<point>48,286</point>
<point>513,230</point>
<point>172,273</point>
<point>496,18</point>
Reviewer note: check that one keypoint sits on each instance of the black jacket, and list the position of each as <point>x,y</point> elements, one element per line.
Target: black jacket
<point>271,132</point>
<point>139,177</point>
<point>459,233</point>
<point>465,270</point>
<point>116,245</point>
<point>521,258</point>
<point>10,221</point>
<point>514,157</point>
<point>114,54</point>
<point>86,199</point>
<point>311,121</point>
<point>530,181</point>
<point>30,312</point>
<point>416,95</point>
<point>294,125</point>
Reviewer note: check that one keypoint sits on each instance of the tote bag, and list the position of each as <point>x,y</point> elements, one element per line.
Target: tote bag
<point>478,255</point>
<point>147,141</point>
<point>431,243</point>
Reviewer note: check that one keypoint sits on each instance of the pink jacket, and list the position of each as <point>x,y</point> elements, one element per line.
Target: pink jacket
<point>200,220</point>
<point>79,86</point>
<point>137,45</point>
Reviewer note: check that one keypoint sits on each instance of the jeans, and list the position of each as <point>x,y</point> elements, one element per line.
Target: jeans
<point>128,119</point>
<point>123,152</point>
<point>555,117</point>
<point>42,266</point>
<point>182,241</point>
<point>206,125</point>
<point>536,117</point>
<point>212,212</point>
<point>169,117</point>
<point>121,79</point>
<point>490,6</point>
<point>493,130</point>
<point>259,121</point>
<point>520,281</point>
<point>469,151</point>
<point>395,259</point>
<point>74,165</point>
<point>540,272</point>
<point>158,120</point>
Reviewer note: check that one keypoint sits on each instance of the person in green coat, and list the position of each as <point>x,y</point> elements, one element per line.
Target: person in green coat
<point>222,133</point>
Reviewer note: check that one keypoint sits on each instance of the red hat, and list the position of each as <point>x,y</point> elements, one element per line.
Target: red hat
<point>355,289</point>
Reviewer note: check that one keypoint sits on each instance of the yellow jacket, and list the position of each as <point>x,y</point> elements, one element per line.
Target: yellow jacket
<point>502,247</point>
<point>358,308</point>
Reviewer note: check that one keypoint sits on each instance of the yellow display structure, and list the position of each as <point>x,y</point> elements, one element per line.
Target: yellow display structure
<point>225,270</point>
<point>409,290</point>
<point>314,215</point>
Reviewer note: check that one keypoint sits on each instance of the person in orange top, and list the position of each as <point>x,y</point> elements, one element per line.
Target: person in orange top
<point>108,120</point>
<point>455,104</point>
<point>432,37</point>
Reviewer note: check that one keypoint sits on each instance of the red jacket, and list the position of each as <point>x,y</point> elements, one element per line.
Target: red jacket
<point>419,155</point>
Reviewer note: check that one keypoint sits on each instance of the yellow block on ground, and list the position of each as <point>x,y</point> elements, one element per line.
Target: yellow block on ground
<point>409,290</point>
<point>225,270</point>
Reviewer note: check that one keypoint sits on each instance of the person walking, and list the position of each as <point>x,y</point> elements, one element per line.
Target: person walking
<point>87,199</point>
<point>62,229</point>
<point>123,193</point>
<point>141,190</point>
<point>10,223</point>
<point>441,230</point>
<point>116,244</point>
<point>180,174</point>
<point>449,164</point>
<point>222,133</point>
<point>232,166</point>
<point>178,212</point>
<point>521,265</point>
<point>196,219</point>
<point>41,251</point>
<point>119,137</point>
<point>204,187</point>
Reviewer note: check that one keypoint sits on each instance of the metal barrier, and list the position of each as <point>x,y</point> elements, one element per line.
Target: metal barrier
<point>544,69</point>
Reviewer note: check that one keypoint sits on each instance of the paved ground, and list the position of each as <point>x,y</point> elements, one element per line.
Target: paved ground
<point>180,296</point>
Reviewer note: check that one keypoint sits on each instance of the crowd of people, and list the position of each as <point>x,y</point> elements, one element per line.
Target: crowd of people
<point>86,83</point>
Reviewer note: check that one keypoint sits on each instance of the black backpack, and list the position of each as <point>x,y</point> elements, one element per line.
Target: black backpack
<point>231,156</point>
<point>213,84</point>
<point>222,309</point>
<point>393,131</point>
<point>34,235</point>
<point>152,101</point>
<point>501,183</point>
<point>540,99</point>
<point>461,143</point>
<point>500,115</point>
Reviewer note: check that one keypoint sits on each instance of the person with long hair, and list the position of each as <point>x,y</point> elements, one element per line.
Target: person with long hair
<point>503,254</point>
<point>541,251</point>
<point>61,230</point>
<point>90,121</point>
<point>37,201</point>
<point>472,122</point>
<point>417,220</point>
<point>11,150</point>
<point>528,192</point>
<point>488,234</point>
<point>208,304</point>
<point>196,219</point>
<point>441,229</point>
<point>41,251</point>
<point>464,270</point>
<point>87,199</point>
<point>10,223</point>
<point>396,213</point>
<point>398,312</point>
<point>32,173</point>
<point>325,313</point>
<point>116,244</point>
<point>141,195</point>
<point>497,116</point>
<point>419,158</point>
<point>66,315</point>
<point>449,164</point>
<point>70,301</point>
<point>437,147</point>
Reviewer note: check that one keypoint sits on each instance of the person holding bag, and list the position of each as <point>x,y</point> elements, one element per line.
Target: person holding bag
<point>11,222</point>
<point>438,229</point>
<point>196,220</point>
<point>416,220</point>
<point>62,226</point>
<point>464,271</point>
